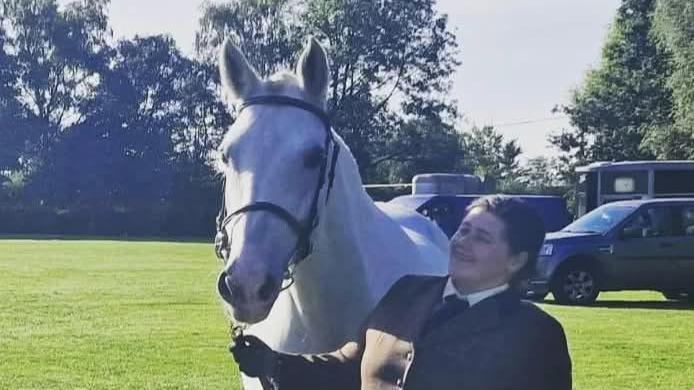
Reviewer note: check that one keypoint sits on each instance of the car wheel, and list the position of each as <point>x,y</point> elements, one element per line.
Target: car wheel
<point>575,285</point>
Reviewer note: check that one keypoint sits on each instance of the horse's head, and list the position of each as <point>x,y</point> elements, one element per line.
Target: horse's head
<point>276,159</point>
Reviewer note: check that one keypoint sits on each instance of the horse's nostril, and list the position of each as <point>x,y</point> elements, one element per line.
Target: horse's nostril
<point>224,288</point>
<point>267,289</point>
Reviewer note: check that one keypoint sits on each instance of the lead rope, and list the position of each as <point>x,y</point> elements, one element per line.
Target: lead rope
<point>236,331</point>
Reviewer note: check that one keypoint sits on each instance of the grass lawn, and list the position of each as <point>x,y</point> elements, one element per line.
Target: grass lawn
<point>111,315</point>
<point>144,315</point>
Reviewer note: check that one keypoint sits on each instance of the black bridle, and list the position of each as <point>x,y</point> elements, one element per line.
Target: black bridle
<point>304,229</point>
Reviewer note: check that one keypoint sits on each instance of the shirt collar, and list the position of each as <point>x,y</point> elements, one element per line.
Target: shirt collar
<point>475,297</point>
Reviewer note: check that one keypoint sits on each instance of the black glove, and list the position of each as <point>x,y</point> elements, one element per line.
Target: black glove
<point>254,357</point>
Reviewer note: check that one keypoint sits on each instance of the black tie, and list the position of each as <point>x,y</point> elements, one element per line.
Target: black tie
<point>451,307</point>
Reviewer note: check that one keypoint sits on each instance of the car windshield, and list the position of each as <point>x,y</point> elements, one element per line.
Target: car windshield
<point>600,220</point>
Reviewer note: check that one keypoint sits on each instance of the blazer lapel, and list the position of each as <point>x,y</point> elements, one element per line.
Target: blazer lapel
<point>423,306</point>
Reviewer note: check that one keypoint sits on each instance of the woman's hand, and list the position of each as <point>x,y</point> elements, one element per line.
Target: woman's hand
<point>254,357</point>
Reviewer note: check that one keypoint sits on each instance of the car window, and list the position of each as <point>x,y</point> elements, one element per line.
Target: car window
<point>687,218</point>
<point>651,222</point>
<point>600,220</point>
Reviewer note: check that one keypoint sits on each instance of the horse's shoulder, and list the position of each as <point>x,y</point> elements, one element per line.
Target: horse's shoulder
<point>398,212</point>
<point>419,228</point>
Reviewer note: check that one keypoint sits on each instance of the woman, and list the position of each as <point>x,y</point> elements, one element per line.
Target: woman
<point>467,330</point>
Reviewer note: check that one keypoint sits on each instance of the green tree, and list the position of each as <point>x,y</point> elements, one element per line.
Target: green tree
<point>153,116</point>
<point>625,98</point>
<point>10,120</point>
<point>90,126</point>
<point>674,26</point>
<point>541,175</point>
<point>391,64</point>
<point>263,29</point>
<point>489,156</point>
<point>430,148</point>
<point>57,55</point>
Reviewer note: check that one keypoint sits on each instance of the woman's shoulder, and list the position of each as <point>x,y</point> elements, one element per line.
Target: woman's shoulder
<point>537,318</point>
<point>411,287</point>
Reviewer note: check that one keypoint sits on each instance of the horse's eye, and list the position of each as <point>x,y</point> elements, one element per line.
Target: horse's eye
<point>314,157</point>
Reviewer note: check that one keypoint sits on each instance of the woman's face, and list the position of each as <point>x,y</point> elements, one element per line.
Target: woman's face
<point>480,256</point>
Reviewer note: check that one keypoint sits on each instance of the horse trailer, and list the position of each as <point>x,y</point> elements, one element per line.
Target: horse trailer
<point>604,182</point>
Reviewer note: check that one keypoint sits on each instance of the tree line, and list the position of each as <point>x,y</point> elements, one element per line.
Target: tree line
<point>638,104</point>
<point>106,136</point>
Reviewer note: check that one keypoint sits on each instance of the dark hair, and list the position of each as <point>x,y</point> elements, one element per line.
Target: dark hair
<point>524,229</point>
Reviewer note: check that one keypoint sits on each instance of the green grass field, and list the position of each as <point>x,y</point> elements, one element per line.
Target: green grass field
<point>144,315</point>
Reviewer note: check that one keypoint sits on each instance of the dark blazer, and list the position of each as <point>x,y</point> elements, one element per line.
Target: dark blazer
<point>499,343</point>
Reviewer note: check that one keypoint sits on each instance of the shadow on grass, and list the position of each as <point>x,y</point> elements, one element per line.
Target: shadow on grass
<point>616,304</point>
<point>196,240</point>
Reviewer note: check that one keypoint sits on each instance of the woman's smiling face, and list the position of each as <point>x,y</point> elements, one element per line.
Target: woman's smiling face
<point>480,256</point>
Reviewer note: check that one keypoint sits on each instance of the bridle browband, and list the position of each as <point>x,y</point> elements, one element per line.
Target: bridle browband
<point>304,229</point>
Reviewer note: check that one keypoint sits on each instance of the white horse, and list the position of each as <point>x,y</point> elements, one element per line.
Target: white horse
<point>280,153</point>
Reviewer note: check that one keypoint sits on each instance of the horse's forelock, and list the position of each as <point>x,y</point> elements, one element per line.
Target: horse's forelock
<point>287,83</point>
<point>282,81</point>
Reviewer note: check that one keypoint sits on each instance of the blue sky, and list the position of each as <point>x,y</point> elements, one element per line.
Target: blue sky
<point>520,57</point>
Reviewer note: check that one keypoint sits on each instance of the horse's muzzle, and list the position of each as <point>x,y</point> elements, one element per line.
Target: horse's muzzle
<point>233,293</point>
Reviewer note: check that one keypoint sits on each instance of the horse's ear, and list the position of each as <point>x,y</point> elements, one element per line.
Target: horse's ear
<point>239,78</point>
<point>312,69</point>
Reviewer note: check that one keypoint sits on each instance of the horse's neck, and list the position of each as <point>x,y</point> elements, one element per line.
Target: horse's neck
<point>338,285</point>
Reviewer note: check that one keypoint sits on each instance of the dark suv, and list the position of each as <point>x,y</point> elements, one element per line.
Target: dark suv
<point>625,245</point>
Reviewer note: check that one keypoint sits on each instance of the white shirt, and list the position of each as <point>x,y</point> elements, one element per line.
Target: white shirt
<point>473,298</point>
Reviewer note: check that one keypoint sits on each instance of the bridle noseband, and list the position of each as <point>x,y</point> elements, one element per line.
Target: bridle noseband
<point>304,229</point>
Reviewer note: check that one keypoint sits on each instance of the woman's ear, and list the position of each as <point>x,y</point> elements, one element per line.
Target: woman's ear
<point>517,262</point>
